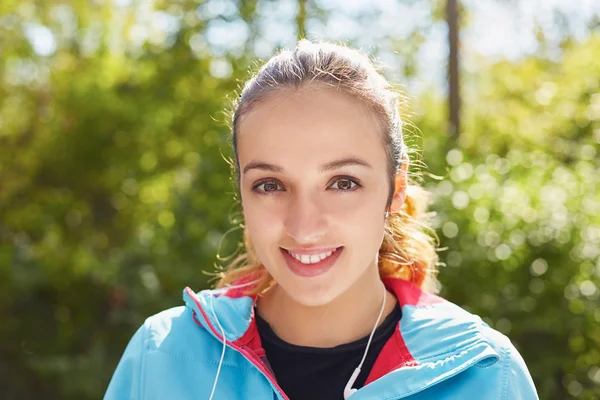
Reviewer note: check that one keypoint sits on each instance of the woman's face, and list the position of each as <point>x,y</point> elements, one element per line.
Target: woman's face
<point>313,180</point>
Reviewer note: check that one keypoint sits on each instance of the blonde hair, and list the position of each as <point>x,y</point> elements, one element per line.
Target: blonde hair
<point>408,251</point>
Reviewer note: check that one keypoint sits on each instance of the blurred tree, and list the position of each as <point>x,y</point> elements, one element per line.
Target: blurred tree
<point>520,211</point>
<point>114,190</point>
<point>301,19</point>
<point>452,15</point>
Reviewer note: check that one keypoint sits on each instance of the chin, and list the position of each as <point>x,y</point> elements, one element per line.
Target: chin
<point>312,294</point>
<point>311,299</point>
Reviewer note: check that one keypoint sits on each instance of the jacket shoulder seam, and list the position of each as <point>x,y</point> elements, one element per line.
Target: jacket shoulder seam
<point>145,346</point>
<point>505,372</point>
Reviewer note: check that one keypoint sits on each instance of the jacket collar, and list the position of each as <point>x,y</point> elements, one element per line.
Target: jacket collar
<point>435,339</point>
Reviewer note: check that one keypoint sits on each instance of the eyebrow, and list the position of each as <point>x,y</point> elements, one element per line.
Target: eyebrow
<point>324,168</point>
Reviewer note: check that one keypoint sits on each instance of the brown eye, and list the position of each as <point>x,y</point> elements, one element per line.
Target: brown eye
<point>267,187</point>
<point>345,184</point>
<point>270,187</point>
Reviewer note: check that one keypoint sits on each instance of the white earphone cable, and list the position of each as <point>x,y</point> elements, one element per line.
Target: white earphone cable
<point>348,390</point>
<point>374,328</point>
<point>212,393</point>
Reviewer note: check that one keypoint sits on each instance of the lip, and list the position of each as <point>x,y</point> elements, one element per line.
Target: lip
<point>311,270</point>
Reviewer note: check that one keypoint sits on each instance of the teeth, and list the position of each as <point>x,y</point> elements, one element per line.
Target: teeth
<point>306,259</point>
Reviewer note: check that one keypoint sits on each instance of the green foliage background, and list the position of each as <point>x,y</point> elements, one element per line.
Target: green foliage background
<point>114,194</point>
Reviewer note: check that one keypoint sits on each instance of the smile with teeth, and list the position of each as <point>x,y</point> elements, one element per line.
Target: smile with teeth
<point>311,259</point>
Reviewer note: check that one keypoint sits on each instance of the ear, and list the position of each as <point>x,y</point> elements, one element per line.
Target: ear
<point>400,182</point>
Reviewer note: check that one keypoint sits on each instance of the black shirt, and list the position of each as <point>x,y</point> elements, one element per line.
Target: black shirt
<point>322,373</point>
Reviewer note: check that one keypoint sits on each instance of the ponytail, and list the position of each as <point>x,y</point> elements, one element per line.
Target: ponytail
<point>408,252</point>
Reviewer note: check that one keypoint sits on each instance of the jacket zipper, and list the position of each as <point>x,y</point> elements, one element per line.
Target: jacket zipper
<point>250,356</point>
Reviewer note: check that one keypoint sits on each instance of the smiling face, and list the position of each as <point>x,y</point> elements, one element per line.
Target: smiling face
<point>313,179</point>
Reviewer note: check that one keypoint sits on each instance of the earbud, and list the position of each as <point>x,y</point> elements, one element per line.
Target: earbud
<point>348,390</point>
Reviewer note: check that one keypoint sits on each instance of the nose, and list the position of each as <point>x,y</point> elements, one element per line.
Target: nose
<point>305,220</point>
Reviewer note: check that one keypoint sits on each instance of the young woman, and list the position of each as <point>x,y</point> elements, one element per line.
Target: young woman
<point>334,296</point>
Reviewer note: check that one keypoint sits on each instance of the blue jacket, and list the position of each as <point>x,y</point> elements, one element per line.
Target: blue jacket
<point>439,351</point>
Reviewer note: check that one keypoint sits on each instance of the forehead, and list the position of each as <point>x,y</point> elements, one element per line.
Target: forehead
<point>312,125</point>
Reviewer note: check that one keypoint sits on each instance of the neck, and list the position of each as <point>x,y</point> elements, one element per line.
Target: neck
<point>347,318</point>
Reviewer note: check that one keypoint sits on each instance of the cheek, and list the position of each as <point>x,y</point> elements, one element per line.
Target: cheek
<point>364,224</point>
<point>361,224</point>
<point>357,208</point>
<point>263,224</point>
